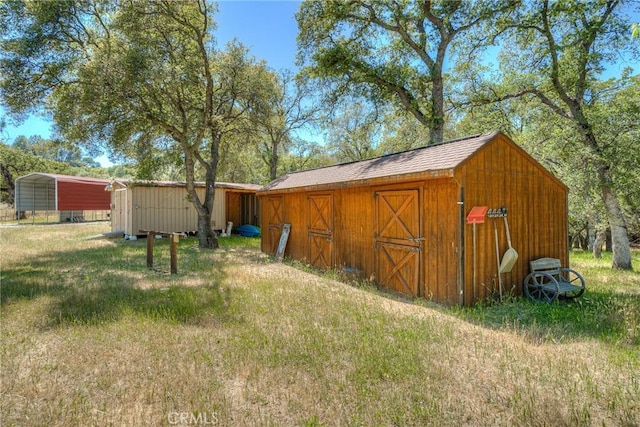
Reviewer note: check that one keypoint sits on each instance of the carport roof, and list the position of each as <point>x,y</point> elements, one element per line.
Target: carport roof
<point>45,177</point>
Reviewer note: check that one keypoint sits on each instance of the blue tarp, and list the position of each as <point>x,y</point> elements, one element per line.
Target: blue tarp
<point>248,230</point>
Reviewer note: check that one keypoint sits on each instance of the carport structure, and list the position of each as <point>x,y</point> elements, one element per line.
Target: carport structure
<point>71,196</point>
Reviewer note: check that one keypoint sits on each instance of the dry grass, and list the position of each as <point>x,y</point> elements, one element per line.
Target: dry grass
<point>91,337</point>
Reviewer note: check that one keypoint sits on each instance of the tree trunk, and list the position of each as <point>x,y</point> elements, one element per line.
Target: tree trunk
<point>436,133</point>
<point>273,164</point>
<point>207,238</point>
<point>584,243</point>
<point>8,179</point>
<point>617,223</point>
<point>591,233</point>
<point>598,242</point>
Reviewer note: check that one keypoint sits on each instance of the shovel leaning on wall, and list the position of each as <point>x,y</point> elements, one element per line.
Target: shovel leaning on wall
<point>510,256</point>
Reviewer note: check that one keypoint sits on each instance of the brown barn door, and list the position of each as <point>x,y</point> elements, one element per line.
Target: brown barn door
<point>321,230</point>
<point>398,240</point>
<point>233,209</point>
<point>275,209</point>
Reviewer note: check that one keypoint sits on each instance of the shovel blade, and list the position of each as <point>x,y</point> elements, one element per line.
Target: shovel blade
<point>508,261</point>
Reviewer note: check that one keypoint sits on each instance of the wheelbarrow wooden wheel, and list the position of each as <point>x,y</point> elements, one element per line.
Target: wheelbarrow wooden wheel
<point>574,278</point>
<point>542,287</point>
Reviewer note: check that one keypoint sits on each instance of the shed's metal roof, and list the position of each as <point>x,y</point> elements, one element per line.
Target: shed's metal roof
<point>437,157</point>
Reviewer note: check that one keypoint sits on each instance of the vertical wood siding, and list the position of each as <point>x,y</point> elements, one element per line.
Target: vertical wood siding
<point>273,217</point>
<point>320,215</point>
<point>441,240</point>
<point>233,209</point>
<point>499,174</point>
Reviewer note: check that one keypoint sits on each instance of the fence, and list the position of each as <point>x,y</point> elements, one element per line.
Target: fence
<point>8,215</point>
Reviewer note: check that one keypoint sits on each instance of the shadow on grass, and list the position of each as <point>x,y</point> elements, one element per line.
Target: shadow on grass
<point>606,316</point>
<point>109,302</point>
<point>602,313</point>
<point>91,286</point>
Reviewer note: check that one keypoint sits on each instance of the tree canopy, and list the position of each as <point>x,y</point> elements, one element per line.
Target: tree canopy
<point>389,51</point>
<point>144,76</point>
<point>556,53</point>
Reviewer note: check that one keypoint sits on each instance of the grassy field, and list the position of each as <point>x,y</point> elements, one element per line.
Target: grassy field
<point>90,336</point>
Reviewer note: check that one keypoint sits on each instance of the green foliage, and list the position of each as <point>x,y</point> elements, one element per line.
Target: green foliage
<point>15,163</point>
<point>388,52</point>
<point>56,150</point>
<point>353,132</point>
<point>240,162</point>
<point>284,107</point>
<point>144,76</point>
<point>552,57</point>
<point>305,155</point>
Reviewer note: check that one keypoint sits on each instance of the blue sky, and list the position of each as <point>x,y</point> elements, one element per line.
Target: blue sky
<point>268,28</point>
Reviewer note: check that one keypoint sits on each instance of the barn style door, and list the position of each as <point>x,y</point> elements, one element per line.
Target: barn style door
<point>275,211</point>
<point>398,240</point>
<point>320,208</point>
<point>233,209</point>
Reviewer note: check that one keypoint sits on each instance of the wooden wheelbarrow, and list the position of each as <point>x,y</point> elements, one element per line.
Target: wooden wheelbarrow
<point>548,280</point>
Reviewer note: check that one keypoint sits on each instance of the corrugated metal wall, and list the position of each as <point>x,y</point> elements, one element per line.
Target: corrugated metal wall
<point>45,192</point>
<point>82,196</point>
<point>36,196</point>
<point>166,209</point>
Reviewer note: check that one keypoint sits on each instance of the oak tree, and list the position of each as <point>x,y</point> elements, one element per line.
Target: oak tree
<point>391,52</point>
<point>146,77</point>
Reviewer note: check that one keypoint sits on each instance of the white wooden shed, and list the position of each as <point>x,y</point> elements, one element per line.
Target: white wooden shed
<point>165,206</point>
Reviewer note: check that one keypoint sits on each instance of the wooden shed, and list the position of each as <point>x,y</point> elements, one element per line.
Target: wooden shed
<point>165,206</point>
<point>70,196</point>
<point>401,219</point>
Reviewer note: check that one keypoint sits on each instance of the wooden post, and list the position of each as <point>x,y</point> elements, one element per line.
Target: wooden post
<point>150,238</point>
<point>173,248</point>
<point>175,237</point>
